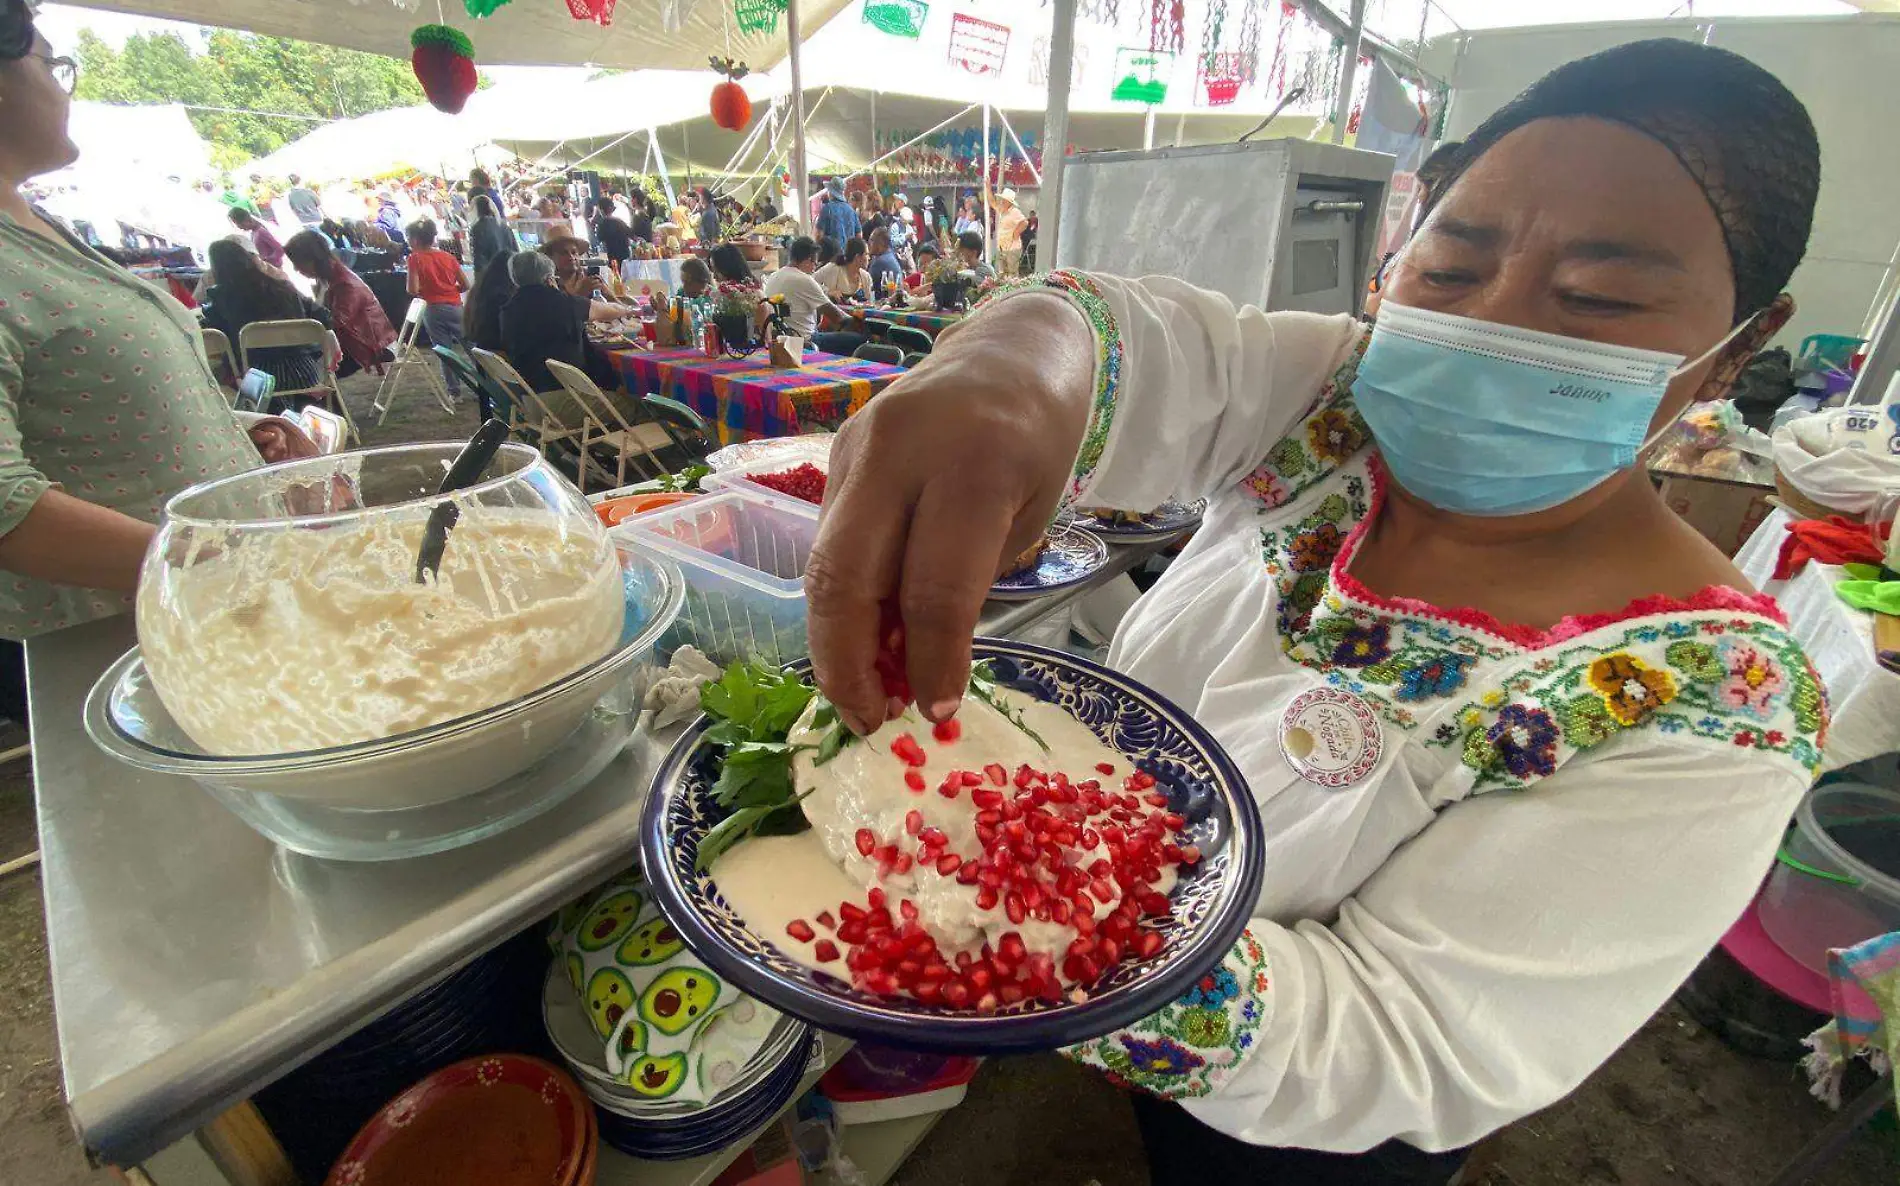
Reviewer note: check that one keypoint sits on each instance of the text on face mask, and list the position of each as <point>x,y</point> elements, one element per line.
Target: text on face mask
<point>1595,395</point>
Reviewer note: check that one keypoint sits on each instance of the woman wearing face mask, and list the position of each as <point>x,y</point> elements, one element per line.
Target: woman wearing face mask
<point>1564,736</point>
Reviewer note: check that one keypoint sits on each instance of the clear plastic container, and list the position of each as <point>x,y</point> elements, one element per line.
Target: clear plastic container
<point>740,477</point>
<point>743,559</point>
<point>1836,881</point>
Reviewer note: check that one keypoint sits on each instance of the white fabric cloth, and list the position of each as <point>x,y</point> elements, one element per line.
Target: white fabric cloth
<point>1840,458</point>
<point>1863,697</point>
<point>838,283</point>
<point>1427,962</point>
<point>803,299</point>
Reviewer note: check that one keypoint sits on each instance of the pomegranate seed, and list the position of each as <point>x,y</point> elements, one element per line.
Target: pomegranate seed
<point>853,932</point>
<point>980,978</point>
<point>1082,920</point>
<point>851,912</point>
<point>1011,993</point>
<point>934,837</point>
<point>1060,910</point>
<point>950,786</point>
<point>1147,943</point>
<point>930,992</point>
<point>997,774</point>
<point>1191,854</point>
<point>956,994</point>
<point>803,481</point>
<point>907,909</point>
<point>968,874</point>
<point>825,920</point>
<point>1108,952</point>
<point>1104,768</point>
<point>800,930</point>
<point>1171,854</point>
<point>877,898</point>
<point>948,863</point>
<point>825,952</point>
<point>1080,968</point>
<point>1153,903</point>
<point>1142,780</point>
<point>986,898</point>
<point>867,843</point>
<point>913,822</point>
<point>971,778</point>
<point>947,731</point>
<point>986,799</point>
<point>1155,799</point>
<point>1012,810</point>
<point>914,781</point>
<point>1102,889</point>
<point>1013,906</point>
<point>908,751</point>
<point>903,863</point>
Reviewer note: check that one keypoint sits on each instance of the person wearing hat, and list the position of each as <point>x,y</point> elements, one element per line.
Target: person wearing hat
<point>838,221</point>
<point>565,250</point>
<point>1010,221</point>
<point>1522,741</point>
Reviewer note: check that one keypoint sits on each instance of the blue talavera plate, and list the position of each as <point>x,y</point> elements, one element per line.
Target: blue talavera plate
<point>1212,901</point>
<point>1166,519</point>
<point>1073,556</point>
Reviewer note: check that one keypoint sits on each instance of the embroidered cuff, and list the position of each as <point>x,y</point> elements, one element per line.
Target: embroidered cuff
<point>1196,1045</point>
<point>1084,295</point>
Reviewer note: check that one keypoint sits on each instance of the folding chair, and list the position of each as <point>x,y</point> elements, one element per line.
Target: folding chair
<point>875,328</point>
<point>303,331</point>
<point>909,340</point>
<point>534,416</point>
<point>408,354</point>
<point>685,426</point>
<point>630,442</point>
<point>911,360</point>
<point>872,352</point>
<point>500,404</point>
<point>223,359</point>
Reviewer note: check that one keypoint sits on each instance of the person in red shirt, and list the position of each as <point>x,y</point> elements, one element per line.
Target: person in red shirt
<point>268,248</point>
<point>437,277</point>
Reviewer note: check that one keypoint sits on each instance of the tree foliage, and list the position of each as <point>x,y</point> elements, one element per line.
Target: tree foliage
<point>242,70</point>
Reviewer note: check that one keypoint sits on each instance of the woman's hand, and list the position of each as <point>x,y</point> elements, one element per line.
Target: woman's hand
<point>933,487</point>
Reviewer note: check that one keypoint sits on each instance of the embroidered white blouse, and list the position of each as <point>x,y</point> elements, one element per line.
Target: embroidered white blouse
<point>1561,823</point>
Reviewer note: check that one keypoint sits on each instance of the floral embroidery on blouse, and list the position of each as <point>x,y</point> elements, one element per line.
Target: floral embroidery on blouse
<point>1193,1046</point>
<point>1299,555</point>
<point>1330,433</point>
<point>1108,364</point>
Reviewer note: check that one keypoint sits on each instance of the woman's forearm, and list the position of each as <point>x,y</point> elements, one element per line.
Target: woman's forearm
<point>68,541</point>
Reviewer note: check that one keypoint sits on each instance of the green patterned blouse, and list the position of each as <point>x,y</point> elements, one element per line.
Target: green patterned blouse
<point>105,393</point>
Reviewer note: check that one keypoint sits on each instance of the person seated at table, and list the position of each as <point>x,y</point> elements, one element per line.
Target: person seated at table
<point>695,279</point>
<point>886,273</point>
<point>845,278</point>
<point>564,250</point>
<point>362,329</point>
<point>918,282</point>
<point>805,300</point>
<point>730,269</point>
<point>541,321</point>
<point>481,317</point>
<point>437,277</point>
<point>245,293</point>
<point>970,256</point>
<point>488,236</point>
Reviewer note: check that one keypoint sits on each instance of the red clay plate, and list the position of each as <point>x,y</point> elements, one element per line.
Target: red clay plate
<point>501,1120</point>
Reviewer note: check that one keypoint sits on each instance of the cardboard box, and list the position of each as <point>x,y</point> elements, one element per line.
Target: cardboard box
<point>1726,513</point>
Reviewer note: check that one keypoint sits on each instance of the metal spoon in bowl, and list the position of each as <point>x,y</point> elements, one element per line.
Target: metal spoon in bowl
<point>466,468</point>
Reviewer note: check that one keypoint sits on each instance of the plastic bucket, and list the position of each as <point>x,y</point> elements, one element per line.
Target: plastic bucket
<point>1836,881</point>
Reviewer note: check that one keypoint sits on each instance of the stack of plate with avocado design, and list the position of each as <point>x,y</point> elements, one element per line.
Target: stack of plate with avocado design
<point>677,1061</point>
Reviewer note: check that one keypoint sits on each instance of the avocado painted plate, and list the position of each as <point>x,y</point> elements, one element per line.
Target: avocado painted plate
<point>1209,905</point>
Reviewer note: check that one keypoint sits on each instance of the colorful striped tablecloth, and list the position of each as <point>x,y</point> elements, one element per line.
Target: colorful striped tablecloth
<point>747,398</point>
<point>931,323</point>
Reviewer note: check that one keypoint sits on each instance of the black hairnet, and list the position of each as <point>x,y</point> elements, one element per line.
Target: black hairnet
<point>1742,135</point>
<point>16,29</point>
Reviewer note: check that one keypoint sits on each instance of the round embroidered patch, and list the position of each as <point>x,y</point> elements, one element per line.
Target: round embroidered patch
<point>1330,737</point>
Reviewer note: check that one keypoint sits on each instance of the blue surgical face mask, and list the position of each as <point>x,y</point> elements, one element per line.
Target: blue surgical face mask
<point>1480,418</point>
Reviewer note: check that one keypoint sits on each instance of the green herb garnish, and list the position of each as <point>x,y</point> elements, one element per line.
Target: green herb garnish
<point>984,687</point>
<point>686,481</point>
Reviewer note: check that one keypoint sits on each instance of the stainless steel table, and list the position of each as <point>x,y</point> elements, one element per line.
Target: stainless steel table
<point>195,962</point>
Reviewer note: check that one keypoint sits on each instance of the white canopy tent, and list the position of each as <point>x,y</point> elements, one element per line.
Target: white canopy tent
<point>147,140</point>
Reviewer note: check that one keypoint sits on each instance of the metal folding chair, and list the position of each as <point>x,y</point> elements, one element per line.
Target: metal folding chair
<point>872,352</point>
<point>408,354</point>
<point>534,417</point>
<point>608,428</point>
<point>500,404</point>
<point>223,359</point>
<point>875,328</point>
<point>687,427</point>
<point>909,340</point>
<point>303,331</point>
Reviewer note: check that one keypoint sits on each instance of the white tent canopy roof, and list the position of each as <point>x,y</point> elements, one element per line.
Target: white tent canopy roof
<point>524,32</point>
<point>146,139</point>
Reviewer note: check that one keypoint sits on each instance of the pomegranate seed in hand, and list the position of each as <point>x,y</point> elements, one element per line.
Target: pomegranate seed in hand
<point>800,930</point>
<point>947,731</point>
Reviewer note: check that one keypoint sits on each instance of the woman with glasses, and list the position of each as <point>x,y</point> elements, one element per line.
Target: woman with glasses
<point>107,405</point>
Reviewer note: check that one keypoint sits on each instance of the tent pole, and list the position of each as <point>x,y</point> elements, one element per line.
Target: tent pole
<point>1055,134</point>
<point>666,181</point>
<point>989,226</point>
<point>1017,141</point>
<point>1342,107</point>
<point>1180,127</point>
<point>1148,129</point>
<point>873,165</point>
<point>801,179</point>
<point>686,147</point>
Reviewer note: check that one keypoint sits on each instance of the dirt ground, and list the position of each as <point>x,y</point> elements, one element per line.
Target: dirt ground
<point>1675,1106</point>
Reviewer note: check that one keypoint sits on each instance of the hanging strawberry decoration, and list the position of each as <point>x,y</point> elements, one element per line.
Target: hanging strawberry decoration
<point>444,61</point>
<point>731,106</point>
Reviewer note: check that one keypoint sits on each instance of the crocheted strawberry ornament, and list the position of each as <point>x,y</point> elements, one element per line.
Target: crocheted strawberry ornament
<point>444,61</point>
